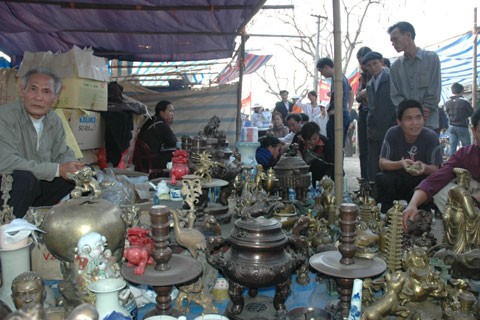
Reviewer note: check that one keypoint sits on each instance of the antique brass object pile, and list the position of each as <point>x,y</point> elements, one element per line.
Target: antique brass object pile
<point>292,172</point>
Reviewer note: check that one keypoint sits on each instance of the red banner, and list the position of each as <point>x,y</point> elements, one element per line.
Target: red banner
<point>323,91</point>
<point>247,102</point>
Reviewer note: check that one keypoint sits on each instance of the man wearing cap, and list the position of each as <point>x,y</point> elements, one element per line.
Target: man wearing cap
<point>381,110</point>
<point>284,106</point>
<point>257,116</point>
<point>415,75</point>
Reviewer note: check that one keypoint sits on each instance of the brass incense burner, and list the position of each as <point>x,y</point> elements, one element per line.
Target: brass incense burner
<point>292,172</point>
<point>256,258</point>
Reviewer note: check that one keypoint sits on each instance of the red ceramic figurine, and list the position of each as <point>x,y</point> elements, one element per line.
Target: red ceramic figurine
<point>179,165</point>
<point>140,250</point>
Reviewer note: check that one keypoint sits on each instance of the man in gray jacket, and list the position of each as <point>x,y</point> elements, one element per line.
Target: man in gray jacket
<point>381,110</point>
<point>33,147</point>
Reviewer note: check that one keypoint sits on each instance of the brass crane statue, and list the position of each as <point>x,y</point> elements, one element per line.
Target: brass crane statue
<point>191,239</point>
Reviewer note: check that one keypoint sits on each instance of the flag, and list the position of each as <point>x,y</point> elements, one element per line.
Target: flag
<point>354,79</point>
<point>323,91</point>
<point>253,62</point>
<point>247,102</point>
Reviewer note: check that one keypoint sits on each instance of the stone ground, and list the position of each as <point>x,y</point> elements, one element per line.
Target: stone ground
<point>351,166</point>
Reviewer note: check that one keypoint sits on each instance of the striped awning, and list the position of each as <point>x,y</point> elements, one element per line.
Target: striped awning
<point>252,63</point>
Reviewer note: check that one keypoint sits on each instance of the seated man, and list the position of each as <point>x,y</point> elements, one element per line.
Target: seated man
<point>410,152</point>
<point>33,147</point>
<point>436,186</point>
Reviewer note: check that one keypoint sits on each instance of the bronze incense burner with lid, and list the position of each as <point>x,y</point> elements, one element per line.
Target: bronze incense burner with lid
<point>256,258</point>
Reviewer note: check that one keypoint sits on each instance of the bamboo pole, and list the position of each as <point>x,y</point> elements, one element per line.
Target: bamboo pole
<point>338,78</point>
<point>241,66</point>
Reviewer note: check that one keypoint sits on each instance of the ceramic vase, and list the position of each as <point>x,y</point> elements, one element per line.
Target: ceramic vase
<point>106,292</point>
<point>14,262</point>
<point>356,302</point>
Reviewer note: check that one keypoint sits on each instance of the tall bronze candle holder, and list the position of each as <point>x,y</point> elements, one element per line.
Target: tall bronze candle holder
<point>169,269</point>
<point>342,264</point>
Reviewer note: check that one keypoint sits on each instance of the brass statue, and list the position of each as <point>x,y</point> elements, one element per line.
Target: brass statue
<point>270,180</point>
<point>6,216</point>
<point>85,182</point>
<point>189,238</point>
<point>191,192</point>
<point>461,217</point>
<point>28,290</point>
<point>211,129</point>
<point>194,293</point>
<point>423,281</point>
<point>390,303</point>
<point>366,242</point>
<point>131,216</point>
<point>328,200</point>
<point>204,164</point>
<point>35,312</point>
<point>394,237</point>
<point>460,302</point>
<point>260,175</point>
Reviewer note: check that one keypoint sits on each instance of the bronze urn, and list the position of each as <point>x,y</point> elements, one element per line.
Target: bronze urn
<point>256,258</point>
<point>292,172</point>
<point>68,221</point>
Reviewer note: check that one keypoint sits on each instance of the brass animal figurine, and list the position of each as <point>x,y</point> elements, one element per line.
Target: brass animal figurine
<point>194,293</point>
<point>190,239</point>
<point>389,304</point>
<point>211,129</point>
<point>85,182</point>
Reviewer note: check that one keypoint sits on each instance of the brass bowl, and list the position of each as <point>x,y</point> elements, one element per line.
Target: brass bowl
<point>287,216</point>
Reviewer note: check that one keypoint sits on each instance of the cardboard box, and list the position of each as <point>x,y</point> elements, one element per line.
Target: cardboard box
<point>77,62</point>
<point>9,85</point>
<point>84,77</point>
<point>80,93</point>
<point>88,128</point>
<point>45,263</point>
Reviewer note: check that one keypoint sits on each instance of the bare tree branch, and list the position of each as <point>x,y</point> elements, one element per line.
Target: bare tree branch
<point>302,51</point>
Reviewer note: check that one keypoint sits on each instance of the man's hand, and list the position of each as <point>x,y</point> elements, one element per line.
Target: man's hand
<point>69,167</point>
<point>361,95</point>
<point>417,169</point>
<point>409,214</point>
<point>406,163</point>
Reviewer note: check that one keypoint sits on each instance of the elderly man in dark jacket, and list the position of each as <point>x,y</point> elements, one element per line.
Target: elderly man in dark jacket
<point>381,110</point>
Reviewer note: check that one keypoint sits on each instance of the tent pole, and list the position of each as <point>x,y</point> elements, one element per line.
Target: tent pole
<point>241,66</point>
<point>474,82</point>
<point>338,103</point>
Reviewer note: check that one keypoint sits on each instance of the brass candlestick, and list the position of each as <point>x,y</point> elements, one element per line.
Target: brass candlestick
<point>342,264</point>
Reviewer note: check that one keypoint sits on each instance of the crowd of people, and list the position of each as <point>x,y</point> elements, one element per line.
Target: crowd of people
<point>398,120</point>
<point>398,124</point>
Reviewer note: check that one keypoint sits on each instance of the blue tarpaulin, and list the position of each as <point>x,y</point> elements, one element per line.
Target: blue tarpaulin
<point>133,30</point>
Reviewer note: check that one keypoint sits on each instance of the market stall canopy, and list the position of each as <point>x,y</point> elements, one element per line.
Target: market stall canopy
<point>133,30</point>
